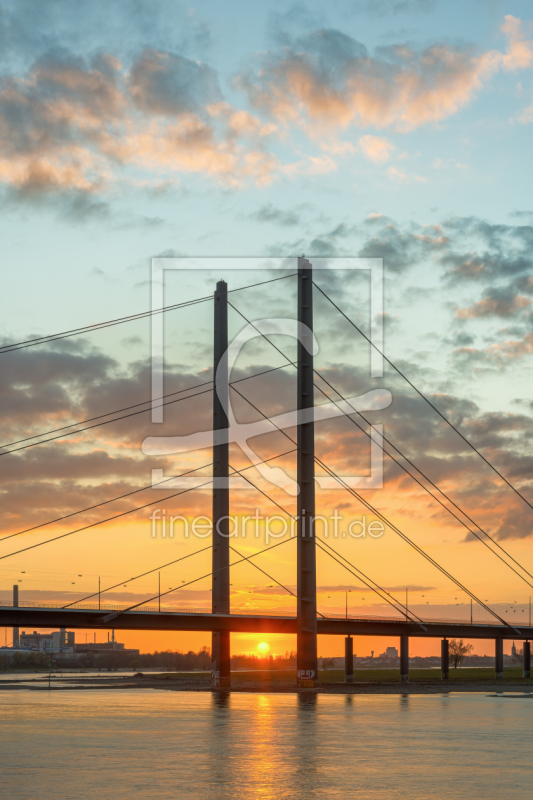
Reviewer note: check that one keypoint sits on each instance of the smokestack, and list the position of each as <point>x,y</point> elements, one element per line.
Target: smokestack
<point>16,633</point>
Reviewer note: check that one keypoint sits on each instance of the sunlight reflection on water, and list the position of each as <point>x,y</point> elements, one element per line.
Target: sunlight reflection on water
<point>132,744</point>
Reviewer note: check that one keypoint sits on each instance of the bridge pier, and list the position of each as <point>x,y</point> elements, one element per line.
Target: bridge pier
<point>404,658</point>
<point>444,660</point>
<point>306,623</point>
<point>348,660</point>
<point>16,630</point>
<point>527,660</point>
<point>220,641</point>
<point>499,658</point>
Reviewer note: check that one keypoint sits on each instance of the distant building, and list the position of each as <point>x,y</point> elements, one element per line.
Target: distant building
<point>390,654</point>
<point>105,647</point>
<point>10,651</point>
<point>55,643</point>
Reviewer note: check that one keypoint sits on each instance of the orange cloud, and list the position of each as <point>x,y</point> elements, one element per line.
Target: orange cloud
<point>329,81</point>
<point>66,127</point>
<point>494,305</point>
<point>375,148</point>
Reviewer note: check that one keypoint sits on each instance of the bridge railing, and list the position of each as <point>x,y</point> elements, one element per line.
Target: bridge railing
<point>154,608</point>
<point>148,607</point>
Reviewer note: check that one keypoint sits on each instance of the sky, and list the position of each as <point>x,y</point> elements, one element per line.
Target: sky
<point>396,129</point>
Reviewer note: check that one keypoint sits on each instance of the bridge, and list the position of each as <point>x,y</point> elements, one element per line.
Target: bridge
<point>308,622</point>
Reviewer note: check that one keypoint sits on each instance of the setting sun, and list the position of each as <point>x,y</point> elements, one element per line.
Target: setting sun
<point>263,647</point>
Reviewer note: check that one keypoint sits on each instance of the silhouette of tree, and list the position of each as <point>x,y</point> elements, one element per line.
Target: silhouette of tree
<point>458,650</point>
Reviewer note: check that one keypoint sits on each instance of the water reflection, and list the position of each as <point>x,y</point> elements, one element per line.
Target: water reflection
<point>223,746</point>
<point>266,766</point>
<point>219,765</point>
<point>404,702</point>
<point>221,699</point>
<point>306,767</point>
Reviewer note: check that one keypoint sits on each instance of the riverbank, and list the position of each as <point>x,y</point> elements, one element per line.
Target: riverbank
<point>371,681</point>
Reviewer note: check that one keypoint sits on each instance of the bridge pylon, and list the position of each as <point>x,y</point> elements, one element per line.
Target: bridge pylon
<point>306,639</point>
<point>220,640</point>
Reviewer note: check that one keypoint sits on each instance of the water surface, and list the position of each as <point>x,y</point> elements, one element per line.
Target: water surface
<point>110,745</point>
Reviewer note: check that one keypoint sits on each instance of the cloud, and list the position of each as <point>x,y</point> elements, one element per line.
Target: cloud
<point>449,163</point>
<point>169,84</point>
<point>497,302</point>
<point>269,213</point>
<point>402,177</point>
<point>311,165</point>
<point>375,148</point>
<point>70,127</point>
<point>484,251</point>
<point>326,79</point>
<point>500,353</point>
<point>515,524</point>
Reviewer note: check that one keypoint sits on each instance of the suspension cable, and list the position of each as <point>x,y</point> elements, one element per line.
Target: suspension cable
<point>426,489</point>
<point>132,510</point>
<point>422,395</point>
<point>247,558</point>
<point>358,570</point>
<point>111,617</point>
<point>274,502</point>
<point>103,503</point>
<point>413,544</point>
<point>52,337</point>
<point>386,521</point>
<point>142,575</point>
<point>407,471</point>
<point>133,414</point>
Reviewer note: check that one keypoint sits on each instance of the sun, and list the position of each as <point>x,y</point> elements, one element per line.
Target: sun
<point>263,648</point>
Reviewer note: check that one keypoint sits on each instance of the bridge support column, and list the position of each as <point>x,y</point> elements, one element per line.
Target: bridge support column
<point>444,660</point>
<point>348,660</point>
<point>16,631</point>
<point>527,659</point>
<point>306,637</point>
<point>220,641</point>
<point>404,658</point>
<point>499,658</point>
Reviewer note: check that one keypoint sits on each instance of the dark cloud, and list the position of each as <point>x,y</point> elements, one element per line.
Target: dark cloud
<point>502,301</point>
<point>270,213</point>
<point>515,524</point>
<point>501,251</point>
<point>383,8</point>
<point>400,247</point>
<point>68,124</point>
<point>63,102</point>
<point>169,84</point>
<point>29,27</point>
<point>47,388</point>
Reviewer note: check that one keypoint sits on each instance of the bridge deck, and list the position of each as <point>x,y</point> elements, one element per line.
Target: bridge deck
<point>175,620</point>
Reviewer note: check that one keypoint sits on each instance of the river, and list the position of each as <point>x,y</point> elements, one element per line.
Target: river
<point>109,745</point>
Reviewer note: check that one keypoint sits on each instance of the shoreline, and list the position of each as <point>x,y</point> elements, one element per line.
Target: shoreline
<point>243,683</point>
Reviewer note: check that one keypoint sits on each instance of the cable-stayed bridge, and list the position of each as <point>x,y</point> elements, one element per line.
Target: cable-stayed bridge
<point>90,613</point>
